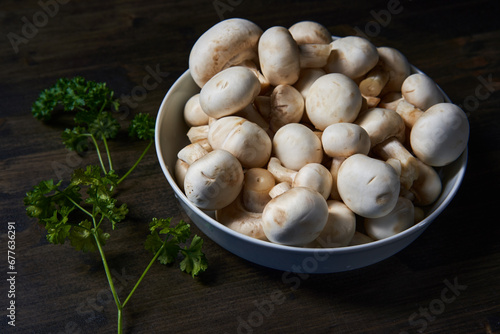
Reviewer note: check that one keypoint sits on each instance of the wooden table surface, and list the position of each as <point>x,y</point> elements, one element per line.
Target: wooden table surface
<point>447,281</point>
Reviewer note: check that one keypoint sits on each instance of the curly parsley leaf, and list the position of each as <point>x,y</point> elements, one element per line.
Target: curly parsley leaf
<point>76,139</point>
<point>169,248</point>
<point>142,127</point>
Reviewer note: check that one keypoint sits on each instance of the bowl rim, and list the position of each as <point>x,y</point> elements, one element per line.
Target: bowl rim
<point>417,228</point>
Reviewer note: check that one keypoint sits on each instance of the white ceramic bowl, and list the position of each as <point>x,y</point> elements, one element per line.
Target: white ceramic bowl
<point>170,137</point>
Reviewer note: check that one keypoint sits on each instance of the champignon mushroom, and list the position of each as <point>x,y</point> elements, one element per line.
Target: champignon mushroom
<point>314,55</point>
<point>214,180</point>
<point>440,134</point>
<point>296,217</point>
<point>295,145</point>
<point>229,91</point>
<point>352,56</point>
<point>256,186</point>
<point>427,187</point>
<point>237,218</point>
<point>339,229</point>
<point>310,32</point>
<point>368,186</point>
<point>421,91</point>
<point>247,141</point>
<point>381,124</point>
<point>333,98</point>
<point>279,56</point>
<point>396,66</point>
<point>345,139</point>
<point>307,78</point>
<point>314,176</point>
<point>227,43</point>
<point>398,220</point>
<point>360,239</point>
<point>193,113</point>
<point>287,106</point>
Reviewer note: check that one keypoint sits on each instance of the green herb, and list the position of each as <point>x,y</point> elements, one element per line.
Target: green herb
<point>76,210</point>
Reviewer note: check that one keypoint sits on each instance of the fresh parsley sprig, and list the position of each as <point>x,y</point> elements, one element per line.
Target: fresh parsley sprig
<point>76,210</point>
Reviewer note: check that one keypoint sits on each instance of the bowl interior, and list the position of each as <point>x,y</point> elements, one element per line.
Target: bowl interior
<point>171,136</point>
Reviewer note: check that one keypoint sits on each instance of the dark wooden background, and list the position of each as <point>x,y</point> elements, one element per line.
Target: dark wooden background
<point>59,290</point>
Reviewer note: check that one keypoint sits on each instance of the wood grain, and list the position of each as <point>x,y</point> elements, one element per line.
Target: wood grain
<point>62,291</point>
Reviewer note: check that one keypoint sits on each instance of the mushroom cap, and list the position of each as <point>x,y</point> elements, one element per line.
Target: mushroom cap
<point>421,91</point>
<point>287,106</point>
<point>193,113</point>
<point>214,181</point>
<point>247,141</point>
<point>256,186</point>
<point>396,221</point>
<point>227,43</point>
<point>295,145</point>
<point>310,32</point>
<point>238,219</point>
<point>428,186</point>
<point>381,124</point>
<point>314,176</point>
<point>368,186</point>
<point>279,56</point>
<point>440,135</point>
<point>397,65</point>
<point>353,56</point>
<point>295,217</point>
<point>229,91</point>
<point>333,98</point>
<point>306,79</point>
<point>345,139</point>
<point>339,229</point>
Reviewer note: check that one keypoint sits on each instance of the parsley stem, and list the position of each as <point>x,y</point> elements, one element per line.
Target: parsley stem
<point>107,152</point>
<point>108,275</point>
<point>98,153</point>
<point>79,206</point>
<point>144,274</point>
<point>136,163</point>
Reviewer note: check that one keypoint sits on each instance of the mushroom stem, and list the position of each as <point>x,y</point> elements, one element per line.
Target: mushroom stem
<point>392,148</point>
<point>197,133</point>
<point>280,173</point>
<point>191,153</point>
<point>279,189</point>
<point>374,81</point>
<point>409,113</point>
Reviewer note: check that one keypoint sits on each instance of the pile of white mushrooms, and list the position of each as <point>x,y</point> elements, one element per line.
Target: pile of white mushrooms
<point>304,140</point>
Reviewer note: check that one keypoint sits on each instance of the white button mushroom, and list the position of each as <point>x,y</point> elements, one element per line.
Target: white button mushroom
<point>193,113</point>
<point>427,187</point>
<point>421,91</point>
<point>310,32</point>
<point>353,56</point>
<point>287,106</point>
<point>307,78</point>
<point>339,229</point>
<point>381,124</point>
<point>345,139</point>
<point>398,220</point>
<point>214,181</point>
<point>368,186</point>
<point>314,176</point>
<point>256,186</point>
<point>236,217</point>
<point>279,56</point>
<point>333,98</point>
<point>295,145</point>
<point>229,91</point>
<point>295,217</point>
<point>247,141</point>
<point>396,65</point>
<point>227,43</point>
<point>360,239</point>
<point>440,134</point>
